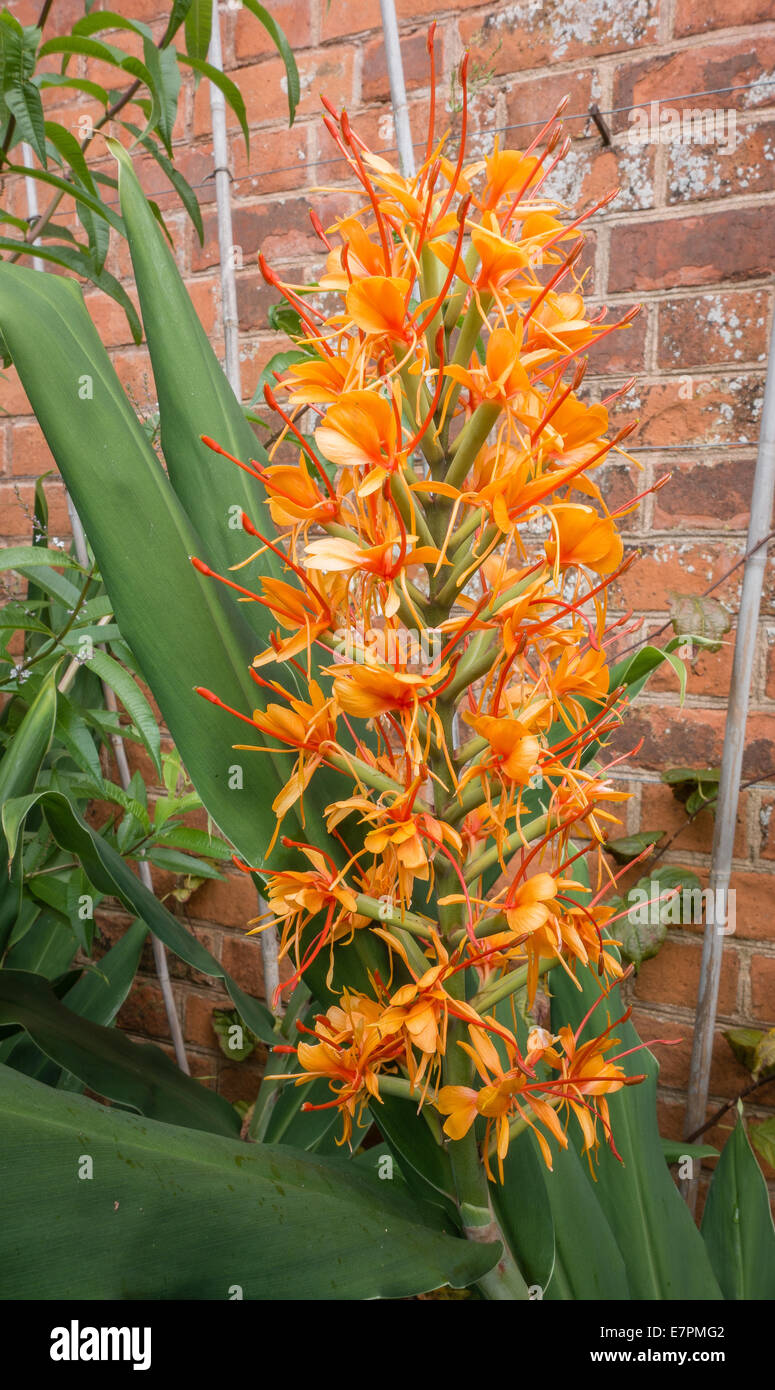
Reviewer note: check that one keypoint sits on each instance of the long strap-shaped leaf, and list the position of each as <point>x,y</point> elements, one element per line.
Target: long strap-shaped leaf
<point>662,1249</point>
<point>737,1223</point>
<point>196,1214</point>
<point>194,398</point>
<point>182,628</point>
<point>139,1075</point>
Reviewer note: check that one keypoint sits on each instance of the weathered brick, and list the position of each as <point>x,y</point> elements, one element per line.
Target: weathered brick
<point>700,70</point>
<point>281,229</point>
<point>513,37</point>
<point>693,409</point>
<point>691,18</point>
<point>533,99</point>
<point>623,351</point>
<point>734,245</point>
<point>709,329</point>
<point>699,494</point>
<point>724,166</point>
<point>264,85</point>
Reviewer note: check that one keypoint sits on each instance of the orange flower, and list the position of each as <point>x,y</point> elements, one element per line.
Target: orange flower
<point>581,537</point>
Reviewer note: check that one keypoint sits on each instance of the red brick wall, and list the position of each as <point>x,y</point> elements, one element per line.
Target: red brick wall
<point>692,236</point>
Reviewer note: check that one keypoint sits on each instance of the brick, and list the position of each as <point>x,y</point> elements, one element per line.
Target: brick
<point>716,495</point>
<point>673,976</point>
<point>242,959</point>
<point>241,1081</point>
<point>16,510</point>
<point>753,907</point>
<point>734,245</point>
<point>691,737</point>
<point>763,989</point>
<point>665,567</point>
<point>30,454</point>
<point>251,40</point>
<point>709,329</point>
<point>622,352</point>
<point>179,970</point>
<point>700,68</point>
<point>766,827</point>
<point>198,1028</point>
<point>660,810</point>
<point>727,1075</point>
<point>414,53</point>
<point>725,166</point>
<point>13,400</point>
<point>255,297</point>
<point>229,903</point>
<point>263,85</point>
<point>693,409</point>
<point>279,161</point>
<point>588,173</point>
<point>691,18</point>
<point>346,18</point>
<point>281,229</point>
<point>534,99</point>
<point>109,318</point>
<point>511,39</point>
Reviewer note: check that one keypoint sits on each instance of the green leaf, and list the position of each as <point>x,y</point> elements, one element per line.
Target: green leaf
<point>525,1214</point>
<point>138,1075</point>
<point>737,1223</point>
<point>195,841</point>
<point>24,557</point>
<point>133,700</point>
<point>628,847</point>
<point>199,21</point>
<point>47,949</point>
<point>234,1037</point>
<point>143,541</point>
<point>764,1057</point>
<point>279,1224</point>
<point>763,1140</point>
<point>79,84</point>
<point>101,991</point>
<point>176,863</point>
<point>660,1244</point>
<point>588,1263</point>
<point>182,187</point>
<point>76,259</point>
<point>744,1043</point>
<point>165,74</point>
<point>23,101</point>
<point>676,1149</point>
<point>109,19</point>
<point>283,48</point>
<point>697,615</point>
